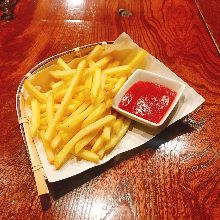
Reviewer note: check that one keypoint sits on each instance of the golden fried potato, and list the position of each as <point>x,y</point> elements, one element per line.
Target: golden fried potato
<point>35,118</point>
<point>73,116</point>
<point>50,132</point>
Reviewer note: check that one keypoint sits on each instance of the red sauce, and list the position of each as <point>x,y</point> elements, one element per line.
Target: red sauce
<point>147,100</point>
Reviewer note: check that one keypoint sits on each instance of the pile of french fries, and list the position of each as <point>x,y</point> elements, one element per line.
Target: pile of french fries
<point>74,117</point>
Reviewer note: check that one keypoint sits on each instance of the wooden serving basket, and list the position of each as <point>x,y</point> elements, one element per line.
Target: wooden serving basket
<point>23,119</point>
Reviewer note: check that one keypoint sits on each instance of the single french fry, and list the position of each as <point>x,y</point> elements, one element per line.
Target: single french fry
<point>98,144</point>
<point>63,74</point>
<point>57,140</point>
<point>88,82</point>
<point>88,155</point>
<point>103,81</point>
<point>111,80</point>
<point>118,71</point>
<point>95,53</point>
<point>79,110</point>
<point>96,114</point>
<point>48,150</point>
<point>61,156</point>
<point>106,133</point>
<point>61,63</point>
<point>74,63</point>
<point>84,141</point>
<point>117,124</point>
<point>117,137</point>
<point>118,85</point>
<point>35,118</point>
<point>67,135</point>
<point>84,95</point>
<point>50,108</point>
<point>60,91</point>
<point>71,108</point>
<point>96,82</point>
<point>92,142</point>
<point>74,122</point>
<point>102,62</point>
<point>35,93</point>
<point>54,85</point>
<point>63,85</point>
<point>138,59</point>
<point>50,132</point>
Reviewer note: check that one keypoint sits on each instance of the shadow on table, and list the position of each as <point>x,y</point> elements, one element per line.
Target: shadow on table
<point>60,188</point>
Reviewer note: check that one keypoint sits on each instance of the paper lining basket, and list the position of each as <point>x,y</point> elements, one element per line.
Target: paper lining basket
<point>23,119</point>
<point>135,137</point>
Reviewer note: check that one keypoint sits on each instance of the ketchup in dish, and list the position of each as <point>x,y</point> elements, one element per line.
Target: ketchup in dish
<point>147,100</point>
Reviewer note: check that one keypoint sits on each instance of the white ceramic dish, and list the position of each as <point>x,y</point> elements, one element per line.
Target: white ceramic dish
<point>143,75</point>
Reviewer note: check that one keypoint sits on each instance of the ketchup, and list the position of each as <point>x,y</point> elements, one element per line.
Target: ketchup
<point>147,100</point>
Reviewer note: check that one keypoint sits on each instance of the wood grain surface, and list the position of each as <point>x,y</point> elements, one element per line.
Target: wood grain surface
<point>174,176</point>
<point>209,11</point>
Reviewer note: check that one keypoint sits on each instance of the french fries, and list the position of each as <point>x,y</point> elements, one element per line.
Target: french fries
<point>35,93</point>
<point>61,156</point>
<point>47,148</point>
<point>74,122</point>
<point>50,108</point>
<point>95,53</point>
<point>96,114</point>
<point>62,64</point>
<point>106,133</point>
<point>96,83</point>
<point>118,71</point>
<point>56,141</point>
<point>101,153</point>
<point>138,59</point>
<point>117,137</point>
<point>83,142</point>
<point>35,119</point>
<point>88,155</point>
<point>50,132</point>
<point>63,74</point>
<point>73,116</point>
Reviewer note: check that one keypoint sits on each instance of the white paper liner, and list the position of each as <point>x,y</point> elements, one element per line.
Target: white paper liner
<point>138,134</point>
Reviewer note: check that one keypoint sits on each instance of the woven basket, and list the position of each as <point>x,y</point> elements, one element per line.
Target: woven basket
<point>23,120</point>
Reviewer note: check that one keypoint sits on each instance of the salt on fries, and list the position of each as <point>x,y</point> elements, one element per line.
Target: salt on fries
<point>74,117</point>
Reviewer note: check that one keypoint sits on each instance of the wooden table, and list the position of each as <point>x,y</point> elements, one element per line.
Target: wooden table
<point>175,176</point>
